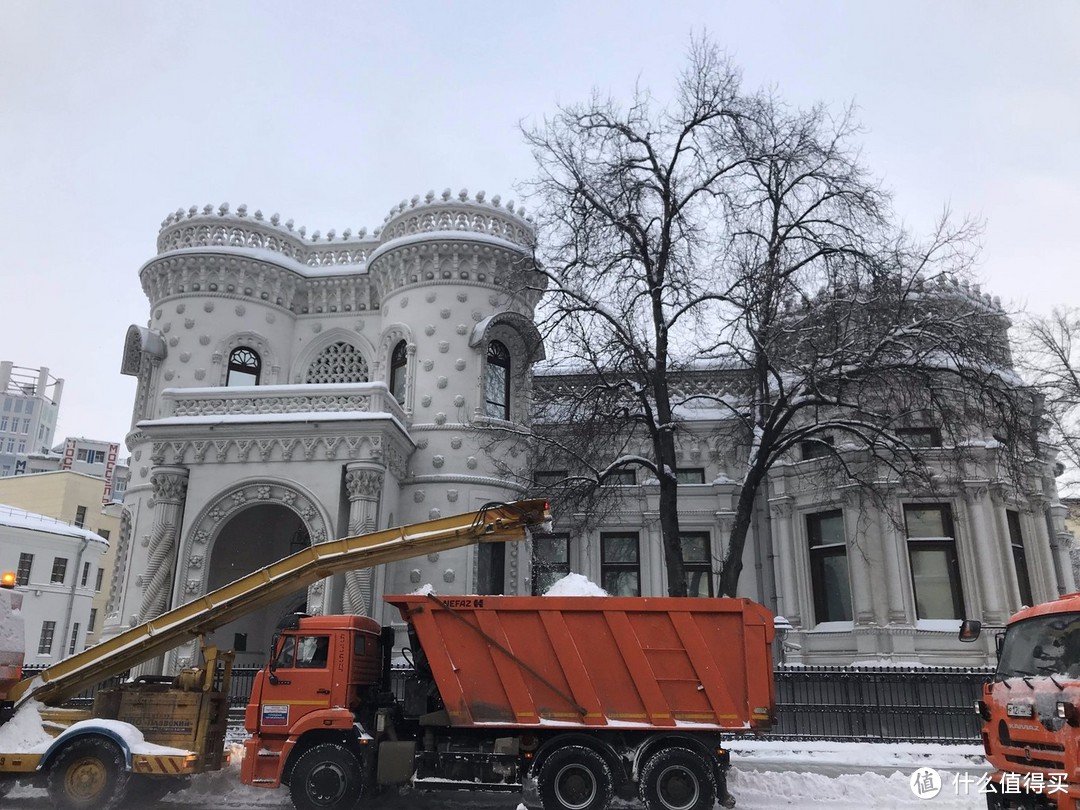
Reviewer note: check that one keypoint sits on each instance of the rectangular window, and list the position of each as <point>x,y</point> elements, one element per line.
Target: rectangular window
<point>690,475</point>
<point>11,445</point>
<point>103,534</point>
<point>829,566</point>
<point>80,454</point>
<point>697,563</point>
<point>239,642</point>
<point>620,574</point>
<point>3,423</point>
<point>22,446</point>
<point>18,406</point>
<point>93,621</point>
<point>80,516</point>
<point>25,426</point>
<point>935,568</point>
<point>5,471</point>
<point>622,478</point>
<point>85,575</point>
<point>550,562</point>
<point>26,562</point>
<point>74,638</point>
<point>45,642</point>
<point>920,437</point>
<point>100,576</point>
<point>548,478</point>
<point>1016,540</point>
<point>817,447</point>
<point>30,406</point>
<point>59,570</point>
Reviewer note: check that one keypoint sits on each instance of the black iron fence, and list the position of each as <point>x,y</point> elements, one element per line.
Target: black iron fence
<point>932,704</point>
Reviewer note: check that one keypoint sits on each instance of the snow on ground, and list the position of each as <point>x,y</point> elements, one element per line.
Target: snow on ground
<point>767,775</point>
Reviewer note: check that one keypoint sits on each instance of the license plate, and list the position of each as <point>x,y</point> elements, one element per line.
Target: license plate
<point>1020,710</point>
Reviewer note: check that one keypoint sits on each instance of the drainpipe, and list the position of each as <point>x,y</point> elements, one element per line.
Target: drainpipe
<point>66,638</point>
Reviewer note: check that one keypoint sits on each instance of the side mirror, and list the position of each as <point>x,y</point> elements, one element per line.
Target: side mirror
<point>970,630</point>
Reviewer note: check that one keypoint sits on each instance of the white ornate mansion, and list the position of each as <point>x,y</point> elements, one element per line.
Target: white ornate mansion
<point>294,388</point>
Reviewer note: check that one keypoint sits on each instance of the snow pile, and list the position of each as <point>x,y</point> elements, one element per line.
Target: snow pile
<point>424,590</point>
<point>575,585</point>
<point>25,731</point>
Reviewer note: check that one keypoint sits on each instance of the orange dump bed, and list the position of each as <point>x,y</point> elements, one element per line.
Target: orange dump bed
<point>598,661</point>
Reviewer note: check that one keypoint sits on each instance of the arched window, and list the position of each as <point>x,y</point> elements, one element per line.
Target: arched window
<point>497,381</point>
<point>340,362</point>
<point>399,360</point>
<point>244,367</point>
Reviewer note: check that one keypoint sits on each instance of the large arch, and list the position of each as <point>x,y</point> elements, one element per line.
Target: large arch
<point>269,510</point>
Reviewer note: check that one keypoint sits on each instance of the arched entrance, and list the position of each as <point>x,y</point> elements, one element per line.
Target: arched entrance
<point>248,540</point>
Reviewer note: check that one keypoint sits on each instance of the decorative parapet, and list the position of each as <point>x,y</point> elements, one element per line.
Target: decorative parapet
<point>445,215</point>
<point>270,400</point>
<point>207,227</point>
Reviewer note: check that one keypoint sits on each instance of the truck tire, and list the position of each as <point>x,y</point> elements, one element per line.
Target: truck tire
<point>575,778</point>
<point>677,779</point>
<point>325,777</point>
<point>89,773</point>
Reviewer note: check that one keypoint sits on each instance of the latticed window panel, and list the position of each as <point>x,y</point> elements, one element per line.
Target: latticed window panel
<point>340,362</point>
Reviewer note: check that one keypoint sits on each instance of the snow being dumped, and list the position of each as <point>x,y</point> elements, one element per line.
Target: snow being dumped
<point>575,585</point>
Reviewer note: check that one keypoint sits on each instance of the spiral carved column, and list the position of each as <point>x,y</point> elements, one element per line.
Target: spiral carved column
<point>364,485</point>
<point>170,489</point>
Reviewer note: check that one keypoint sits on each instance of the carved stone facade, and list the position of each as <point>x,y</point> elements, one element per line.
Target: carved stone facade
<point>368,355</point>
<point>271,413</point>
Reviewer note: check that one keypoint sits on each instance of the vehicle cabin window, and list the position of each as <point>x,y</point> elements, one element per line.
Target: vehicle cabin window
<point>359,644</point>
<point>312,652</point>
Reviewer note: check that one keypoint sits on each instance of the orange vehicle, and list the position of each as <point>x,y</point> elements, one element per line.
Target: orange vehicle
<point>576,699</point>
<point>1031,709</point>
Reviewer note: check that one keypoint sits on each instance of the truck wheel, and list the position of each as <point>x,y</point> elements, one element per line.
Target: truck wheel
<point>325,777</point>
<point>89,772</point>
<point>575,778</point>
<point>677,779</point>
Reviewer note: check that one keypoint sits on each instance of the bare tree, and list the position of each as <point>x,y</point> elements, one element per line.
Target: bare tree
<point>730,230</point>
<point>1050,355</point>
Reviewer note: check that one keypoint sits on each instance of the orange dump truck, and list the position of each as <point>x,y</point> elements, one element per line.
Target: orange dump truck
<point>1031,709</point>
<point>578,699</point>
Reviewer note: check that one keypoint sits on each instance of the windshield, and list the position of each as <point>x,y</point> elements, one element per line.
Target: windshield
<point>1045,645</point>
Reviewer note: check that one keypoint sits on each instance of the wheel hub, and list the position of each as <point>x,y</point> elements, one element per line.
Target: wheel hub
<point>326,784</point>
<point>575,787</point>
<point>678,788</point>
<point>85,779</point>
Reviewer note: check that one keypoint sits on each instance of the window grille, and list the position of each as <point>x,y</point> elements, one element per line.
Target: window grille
<point>340,362</point>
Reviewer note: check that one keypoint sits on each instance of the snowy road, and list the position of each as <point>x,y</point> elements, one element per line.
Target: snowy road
<point>770,775</point>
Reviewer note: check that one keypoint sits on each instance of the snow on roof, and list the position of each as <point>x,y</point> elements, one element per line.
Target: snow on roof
<point>21,519</point>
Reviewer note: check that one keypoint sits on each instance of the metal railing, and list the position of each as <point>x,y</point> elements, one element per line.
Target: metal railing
<point>932,704</point>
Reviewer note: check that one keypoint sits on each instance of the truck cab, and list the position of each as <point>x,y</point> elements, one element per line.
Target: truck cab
<point>312,691</point>
<point>1031,710</point>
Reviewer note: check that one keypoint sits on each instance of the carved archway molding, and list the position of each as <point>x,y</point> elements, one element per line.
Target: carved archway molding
<point>205,531</point>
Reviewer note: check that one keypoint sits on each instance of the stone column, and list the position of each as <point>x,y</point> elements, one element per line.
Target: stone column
<point>170,490</point>
<point>1033,518</point>
<point>860,571</point>
<point>788,602</point>
<point>364,484</point>
<point>896,574</point>
<point>982,544</point>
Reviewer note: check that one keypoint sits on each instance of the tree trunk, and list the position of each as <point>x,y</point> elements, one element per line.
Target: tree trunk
<point>744,515</point>
<point>669,527</point>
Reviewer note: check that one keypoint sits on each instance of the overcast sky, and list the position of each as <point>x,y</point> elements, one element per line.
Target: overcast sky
<point>113,114</point>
